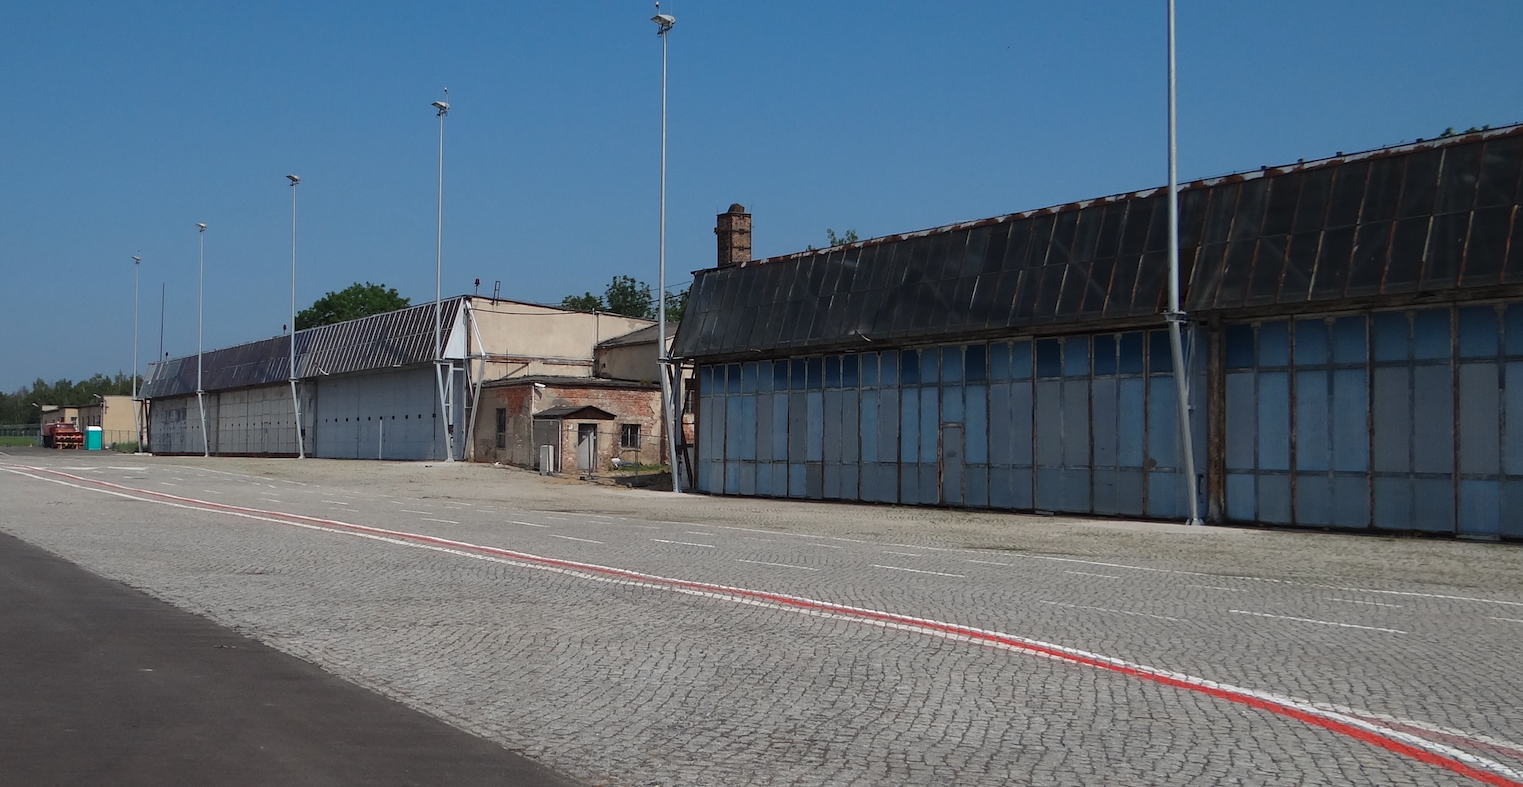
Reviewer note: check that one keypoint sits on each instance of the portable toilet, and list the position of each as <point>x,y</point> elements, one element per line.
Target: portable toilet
<point>92,438</point>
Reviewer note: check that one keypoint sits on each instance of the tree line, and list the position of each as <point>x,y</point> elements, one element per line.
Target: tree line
<point>25,405</point>
<point>630,297</point>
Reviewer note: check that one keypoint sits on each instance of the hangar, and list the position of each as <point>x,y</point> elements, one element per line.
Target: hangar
<point>1355,353</point>
<point>368,388</point>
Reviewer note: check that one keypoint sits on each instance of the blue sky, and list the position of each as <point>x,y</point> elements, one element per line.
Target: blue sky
<point>125,124</point>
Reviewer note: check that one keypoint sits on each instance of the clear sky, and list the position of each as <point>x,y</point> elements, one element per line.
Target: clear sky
<point>127,123</point>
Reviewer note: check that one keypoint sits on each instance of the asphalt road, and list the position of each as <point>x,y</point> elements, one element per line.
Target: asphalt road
<point>104,685</point>
<point>633,638</point>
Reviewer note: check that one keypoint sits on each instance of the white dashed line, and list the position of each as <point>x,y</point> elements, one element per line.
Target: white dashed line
<point>1087,574</point>
<point>1113,611</point>
<point>574,538</point>
<point>684,543</point>
<point>1318,622</point>
<point>166,483</point>
<point>269,500</point>
<point>334,502</point>
<point>1216,587</point>
<point>918,571</point>
<point>1507,620</point>
<point>906,554</point>
<point>986,562</point>
<point>1370,603</point>
<point>410,511</point>
<point>1435,595</point>
<point>445,521</point>
<point>779,565</point>
<point>526,524</point>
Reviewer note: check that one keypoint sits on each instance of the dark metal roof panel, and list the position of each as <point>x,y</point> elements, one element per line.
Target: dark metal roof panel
<point>401,338</point>
<point>1424,217</point>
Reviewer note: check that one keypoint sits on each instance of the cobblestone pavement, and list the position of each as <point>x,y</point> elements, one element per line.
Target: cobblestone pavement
<point>644,638</point>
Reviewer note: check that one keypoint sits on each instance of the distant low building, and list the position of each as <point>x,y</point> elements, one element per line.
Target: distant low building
<point>113,414</point>
<point>589,422</point>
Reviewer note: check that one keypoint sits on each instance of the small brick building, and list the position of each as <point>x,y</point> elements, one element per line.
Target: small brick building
<point>621,418</point>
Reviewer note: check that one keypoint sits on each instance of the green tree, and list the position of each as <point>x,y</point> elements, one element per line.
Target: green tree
<point>586,302</point>
<point>837,240</point>
<point>355,301</point>
<point>631,298</point>
<point>624,295</point>
<point>676,305</point>
<point>18,407</point>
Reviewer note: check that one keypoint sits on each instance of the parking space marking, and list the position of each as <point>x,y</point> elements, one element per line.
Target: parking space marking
<point>919,571</point>
<point>1318,622</point>
<point>684,543</point>
<point>1367,603</point>
<point>779,565</point>
<point>1113,611</point>
<point>574,538</point>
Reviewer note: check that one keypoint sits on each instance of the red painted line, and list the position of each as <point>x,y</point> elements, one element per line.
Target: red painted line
<point>1223,693</point>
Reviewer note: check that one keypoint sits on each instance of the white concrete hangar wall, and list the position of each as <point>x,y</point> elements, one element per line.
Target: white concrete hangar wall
<point>391,414</point>
<point>350,375</point>
<point>250,421</point>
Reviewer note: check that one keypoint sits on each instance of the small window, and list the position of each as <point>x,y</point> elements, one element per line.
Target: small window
<point>629,436</point>
<point>502,427</point>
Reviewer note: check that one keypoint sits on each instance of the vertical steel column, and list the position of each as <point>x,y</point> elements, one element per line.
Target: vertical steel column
<point>1174,315</point>
<point>301,452</point>
<point>445,411</point>
<point>137,408</point>
<point>200,315</point>
<point>670,419</point>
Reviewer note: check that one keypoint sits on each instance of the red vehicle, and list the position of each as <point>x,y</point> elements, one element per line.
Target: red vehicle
<point>61,434</point>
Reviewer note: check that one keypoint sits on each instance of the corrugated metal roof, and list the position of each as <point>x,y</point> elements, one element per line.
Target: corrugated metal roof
<point>1426,216</point>
<point>400,338</point>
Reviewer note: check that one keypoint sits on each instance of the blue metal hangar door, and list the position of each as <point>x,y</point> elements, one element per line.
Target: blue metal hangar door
<point>1396,420</point>
<point>351,410</point>
<point>1081,424</point>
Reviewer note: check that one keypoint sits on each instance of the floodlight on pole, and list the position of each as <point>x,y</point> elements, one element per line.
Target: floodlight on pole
<point>301,451</point>
<point>670,421</point>
<point>444,397</point>
<point>137,409</point>
<point>1174,316</point>
<point>206,449</point>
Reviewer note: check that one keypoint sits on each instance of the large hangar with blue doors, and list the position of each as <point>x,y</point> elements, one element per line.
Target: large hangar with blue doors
<point>1354,347</point>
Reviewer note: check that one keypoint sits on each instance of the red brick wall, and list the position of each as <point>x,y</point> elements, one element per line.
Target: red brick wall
<point>631,406</point>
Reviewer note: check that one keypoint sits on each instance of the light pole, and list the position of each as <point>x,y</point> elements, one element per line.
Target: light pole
<point>301,452</point>
<point>206,449</point>
<point>137,419</point>
<point>1174,316</point>
<point>444,403</point>
<point>664,24</point>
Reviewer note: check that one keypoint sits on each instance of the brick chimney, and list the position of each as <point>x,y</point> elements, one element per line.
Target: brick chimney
<point>734,230</point>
